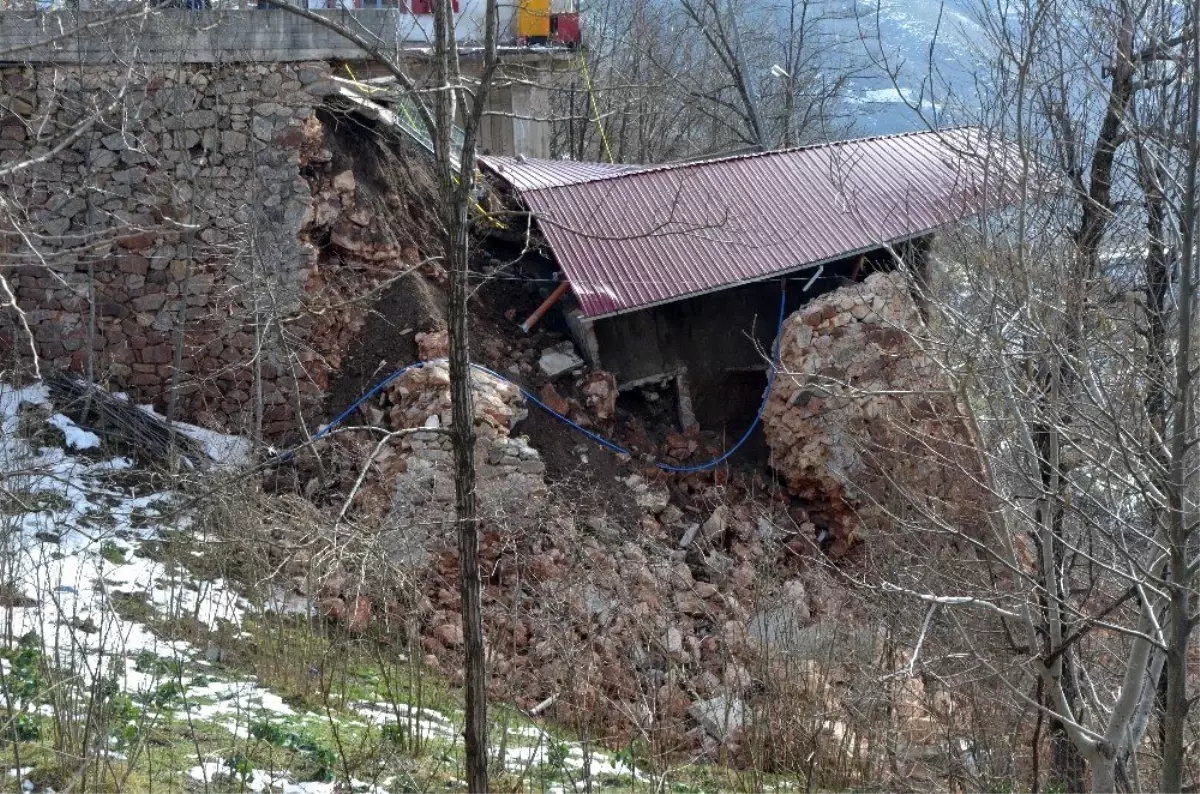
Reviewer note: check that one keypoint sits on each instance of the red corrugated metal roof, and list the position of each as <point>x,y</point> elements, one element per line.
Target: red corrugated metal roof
<point>662,233</point>
<point>531,173</point>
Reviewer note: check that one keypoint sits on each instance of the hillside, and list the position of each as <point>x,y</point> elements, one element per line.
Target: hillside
<point>944,78</point>
<point>369,423</point>
<point>267,621</point>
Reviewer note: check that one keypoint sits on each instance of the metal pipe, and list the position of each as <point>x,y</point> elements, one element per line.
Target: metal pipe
<point>559,291</point>
<point>815,276</point>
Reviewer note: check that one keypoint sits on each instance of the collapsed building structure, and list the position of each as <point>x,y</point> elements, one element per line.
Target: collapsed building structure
<point>674,272</point>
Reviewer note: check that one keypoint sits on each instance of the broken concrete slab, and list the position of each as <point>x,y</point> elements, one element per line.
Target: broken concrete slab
<point>560,360</point>
<point>786,627</point>
<point>652,498</point>
<point>715,526</point>
<point>689,535</point>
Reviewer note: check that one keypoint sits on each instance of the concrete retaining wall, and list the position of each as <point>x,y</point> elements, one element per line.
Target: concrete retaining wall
<point>124,33</point>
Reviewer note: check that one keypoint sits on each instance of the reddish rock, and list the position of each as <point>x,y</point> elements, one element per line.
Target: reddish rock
<point>360,615</point>
<point>136,242</point>
<point>599,390</point>
<point>543,568</point>
<point>433,345</point>
<point>157,354</point>
<point>333,608</point>
<point>672,702</point>
<point>449,634</point>
<point>550,396</point>
<point>134,264</point>
<point>289,138</point>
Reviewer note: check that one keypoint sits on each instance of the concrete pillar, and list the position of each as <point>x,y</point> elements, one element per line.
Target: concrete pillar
<point>517,121</point>
<point>683,397</point>
<point>496,133</point>
<point>583,332</point>
<point>530,124</point>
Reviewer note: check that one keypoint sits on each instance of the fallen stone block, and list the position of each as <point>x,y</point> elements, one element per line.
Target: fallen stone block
<point>720,716</point>
<point>558,361</point>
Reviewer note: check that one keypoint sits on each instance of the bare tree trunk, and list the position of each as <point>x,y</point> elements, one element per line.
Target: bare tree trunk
<point>455,189</point>
<point>462,410</point>
<point>1180,519</point>
<point>720,29</point>
<point>1104,778</point>
<point>1067,767</point>
<point>1176,705</point>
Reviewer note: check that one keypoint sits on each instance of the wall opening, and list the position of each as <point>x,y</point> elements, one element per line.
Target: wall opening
<point>726,404</point>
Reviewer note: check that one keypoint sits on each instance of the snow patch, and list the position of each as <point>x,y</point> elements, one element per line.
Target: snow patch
<point>76,558</point>
<point>76,436</point>
<point>224,449</point>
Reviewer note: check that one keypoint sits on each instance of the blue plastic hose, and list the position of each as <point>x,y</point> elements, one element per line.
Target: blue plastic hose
<point>608,444</point>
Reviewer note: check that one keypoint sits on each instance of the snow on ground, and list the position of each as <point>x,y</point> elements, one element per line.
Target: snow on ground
<point>72,540</point>
<point>71,533</point>
<point>265,780</point>
<point>224,449</point>
<point>76,437</point>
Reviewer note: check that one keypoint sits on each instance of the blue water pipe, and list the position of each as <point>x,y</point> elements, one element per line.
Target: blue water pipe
<point>608,444</point>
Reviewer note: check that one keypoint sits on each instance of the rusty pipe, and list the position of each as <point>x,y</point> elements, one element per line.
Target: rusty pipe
<point>552,299</point>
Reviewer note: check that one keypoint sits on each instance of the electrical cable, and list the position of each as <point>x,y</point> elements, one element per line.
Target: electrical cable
<point>597,118</point>
<point>608,444</point>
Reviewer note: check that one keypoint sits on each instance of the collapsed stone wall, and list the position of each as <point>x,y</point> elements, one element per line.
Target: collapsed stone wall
<point>859,416</point>
<point>683,610</point>
<point>188,227</point>
<point>509,472</point>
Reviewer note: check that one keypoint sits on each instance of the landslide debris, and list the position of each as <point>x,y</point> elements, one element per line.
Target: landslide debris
<point>860,414</point>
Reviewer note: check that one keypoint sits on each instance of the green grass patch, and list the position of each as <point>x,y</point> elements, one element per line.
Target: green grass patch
<point>112,553</point>
<point>14,502</point>
<point>132,606</point>
<point>97,518</point>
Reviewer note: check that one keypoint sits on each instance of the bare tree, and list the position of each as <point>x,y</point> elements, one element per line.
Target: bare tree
<point>1066,329</point>
<point>453,96</point>
<point>660,83</point>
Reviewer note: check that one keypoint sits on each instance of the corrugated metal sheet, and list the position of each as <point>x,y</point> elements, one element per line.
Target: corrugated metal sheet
<point>659,234</point>
<point>531,173</point>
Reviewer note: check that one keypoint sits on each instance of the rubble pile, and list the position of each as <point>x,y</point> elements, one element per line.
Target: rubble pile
<point>359,237</point>
<point>424,392</point>
<point>509,471</point>
<point>859,413</point>
<point>632,629</point>
<point>676,607</point>
<point>639,614</point>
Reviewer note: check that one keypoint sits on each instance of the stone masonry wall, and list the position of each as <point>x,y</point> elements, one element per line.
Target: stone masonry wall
<point>169,231</point>
<point>859,416</point>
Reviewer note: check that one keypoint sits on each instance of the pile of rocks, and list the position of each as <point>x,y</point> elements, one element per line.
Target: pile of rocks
<point>367,225</point>
<point>858,412</point>
<point>510,473</point>
<point>421,398</point>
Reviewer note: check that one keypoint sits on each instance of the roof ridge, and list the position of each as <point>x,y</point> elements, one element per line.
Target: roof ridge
<point>659,167</point>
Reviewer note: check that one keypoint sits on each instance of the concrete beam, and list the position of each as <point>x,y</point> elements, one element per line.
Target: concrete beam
<point>125,33</point>
<point>178,36</point>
